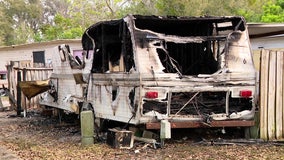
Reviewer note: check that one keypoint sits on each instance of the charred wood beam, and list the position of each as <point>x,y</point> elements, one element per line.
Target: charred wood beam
<point>187,102</point>
<point>188,39</point>
<point>19,95</point>
<point>225,28</point>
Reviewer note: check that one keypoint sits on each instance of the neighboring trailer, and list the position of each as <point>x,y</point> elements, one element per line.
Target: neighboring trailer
<point>189,71</point>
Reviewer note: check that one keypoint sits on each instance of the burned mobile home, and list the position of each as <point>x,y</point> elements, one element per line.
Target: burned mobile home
<point>188,71</point>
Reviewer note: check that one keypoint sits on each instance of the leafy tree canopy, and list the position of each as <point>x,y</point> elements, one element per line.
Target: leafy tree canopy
<point>273,12</point>
<point>24,21</point>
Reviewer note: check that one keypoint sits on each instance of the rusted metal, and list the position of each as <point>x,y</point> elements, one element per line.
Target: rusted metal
<point>194,124</point>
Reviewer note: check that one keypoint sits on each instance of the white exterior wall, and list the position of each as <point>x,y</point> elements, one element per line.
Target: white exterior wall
<point>25,52</point>
<point>275,42</point>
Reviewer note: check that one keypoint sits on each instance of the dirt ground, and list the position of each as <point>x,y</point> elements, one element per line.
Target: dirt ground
<point>39,137</point>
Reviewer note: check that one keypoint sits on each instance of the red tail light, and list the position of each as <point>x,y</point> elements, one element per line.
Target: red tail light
<point>151,95</point>
<point>246,93</point>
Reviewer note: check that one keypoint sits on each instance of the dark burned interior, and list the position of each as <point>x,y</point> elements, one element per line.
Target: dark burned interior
<point>203,103</point>
<point>112,38</point>
<point>190,58</point>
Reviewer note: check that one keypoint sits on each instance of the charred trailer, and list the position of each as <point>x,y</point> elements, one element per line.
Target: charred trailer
<point>142,70</point>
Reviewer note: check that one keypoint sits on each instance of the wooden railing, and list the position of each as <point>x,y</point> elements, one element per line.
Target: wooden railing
<point>17,74</point>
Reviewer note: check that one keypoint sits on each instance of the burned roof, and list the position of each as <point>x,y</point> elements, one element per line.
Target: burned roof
<point>171,25</point>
